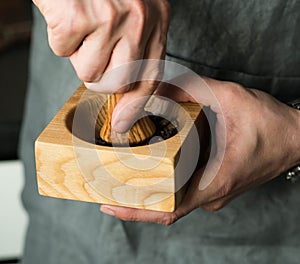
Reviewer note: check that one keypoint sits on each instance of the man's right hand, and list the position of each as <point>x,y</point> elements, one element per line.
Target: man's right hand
<point>100,35</point>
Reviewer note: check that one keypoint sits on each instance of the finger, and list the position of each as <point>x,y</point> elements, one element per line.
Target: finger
<point>64,39</point>
<point>164,218</point>
<point>134,33</point>
<point>192,88</point>
<point>150,74</point>
<point>140,215</point>
<point>121,76</point>
<point>67,25</point>
<point>92,57</point>
<point>147,41</point>
<point>218,144</point>
<point>130,106</point>
<point>196,197</point>
<point>218,204</point>
<point>196,87</point>
<point>173,92</point>
<point>123,68</point>
<point>221,202</point>
<point>44,5</point>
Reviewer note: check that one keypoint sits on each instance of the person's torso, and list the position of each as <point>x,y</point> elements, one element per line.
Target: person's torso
<point>252,42</point>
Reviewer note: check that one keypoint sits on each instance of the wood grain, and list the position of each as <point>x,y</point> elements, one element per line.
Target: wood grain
<point>141,130</point>
<point>72,167</point>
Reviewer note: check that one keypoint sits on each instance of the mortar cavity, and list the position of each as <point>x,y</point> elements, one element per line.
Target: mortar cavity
<point>85,121</point>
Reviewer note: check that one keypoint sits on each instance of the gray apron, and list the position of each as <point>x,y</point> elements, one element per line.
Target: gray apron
<point>255,43</point>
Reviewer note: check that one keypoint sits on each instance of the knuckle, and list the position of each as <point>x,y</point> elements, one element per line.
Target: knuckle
<point>58,49</point>
<point>58,22</point>
<point>58,52</point>
<point>131,217</point>
<point>225,190</point>
<point>138,9</point>
<point>53,22</point>
<point>168,219</point>
<point>65,29</point>
<point>165,8</point>
<point>150,85</point>
<point>161,44</point>
<point>134,106</point>
<point>213,207</point>
<point>122,89</point>
<point>152,74</point>
<point>230,91</point>
<point>138,15</point>
<point>56,45</point>
<point>58,36</point>
<point>111,14</point>
<point>78,27</point>
<point>86,76</point>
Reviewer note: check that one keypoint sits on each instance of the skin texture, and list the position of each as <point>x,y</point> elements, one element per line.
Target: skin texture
<point>100,35</point>
<point>260,135</point>
<point>261,141</point>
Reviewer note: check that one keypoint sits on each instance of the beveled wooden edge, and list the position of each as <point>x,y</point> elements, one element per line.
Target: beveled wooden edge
<point>65,137</point>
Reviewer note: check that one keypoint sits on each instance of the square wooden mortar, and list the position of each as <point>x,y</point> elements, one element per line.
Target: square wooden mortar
<point>70,165</point>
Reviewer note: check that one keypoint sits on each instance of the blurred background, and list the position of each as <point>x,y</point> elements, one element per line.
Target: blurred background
<point>15,32</point>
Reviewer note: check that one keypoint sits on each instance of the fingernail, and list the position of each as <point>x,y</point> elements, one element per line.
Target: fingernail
<point>107,210</point>
<point>120,127</point>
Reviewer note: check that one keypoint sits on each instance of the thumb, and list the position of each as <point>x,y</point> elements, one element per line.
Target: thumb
<point>131,106</point>
<point>190,87</point>
<point>137,80</point>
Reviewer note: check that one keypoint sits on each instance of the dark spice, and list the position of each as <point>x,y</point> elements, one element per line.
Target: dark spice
<point>164,130</point>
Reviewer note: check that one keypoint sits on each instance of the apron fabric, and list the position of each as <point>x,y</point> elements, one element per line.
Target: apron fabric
<point>255,43</point>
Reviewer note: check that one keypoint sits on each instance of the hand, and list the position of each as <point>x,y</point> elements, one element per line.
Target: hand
<point>256,139</point>
<point>100,35</point>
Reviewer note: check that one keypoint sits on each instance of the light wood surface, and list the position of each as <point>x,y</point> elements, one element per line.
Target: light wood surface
<point>70,166</point>
<point>141,131</point>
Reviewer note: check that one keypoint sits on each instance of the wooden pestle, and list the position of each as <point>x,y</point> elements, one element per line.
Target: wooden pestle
<point>141,131</point>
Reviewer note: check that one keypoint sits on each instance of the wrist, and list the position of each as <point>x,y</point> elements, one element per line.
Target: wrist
<point>298,135</point>
<point>293,173</point>
<point>295,137</point>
